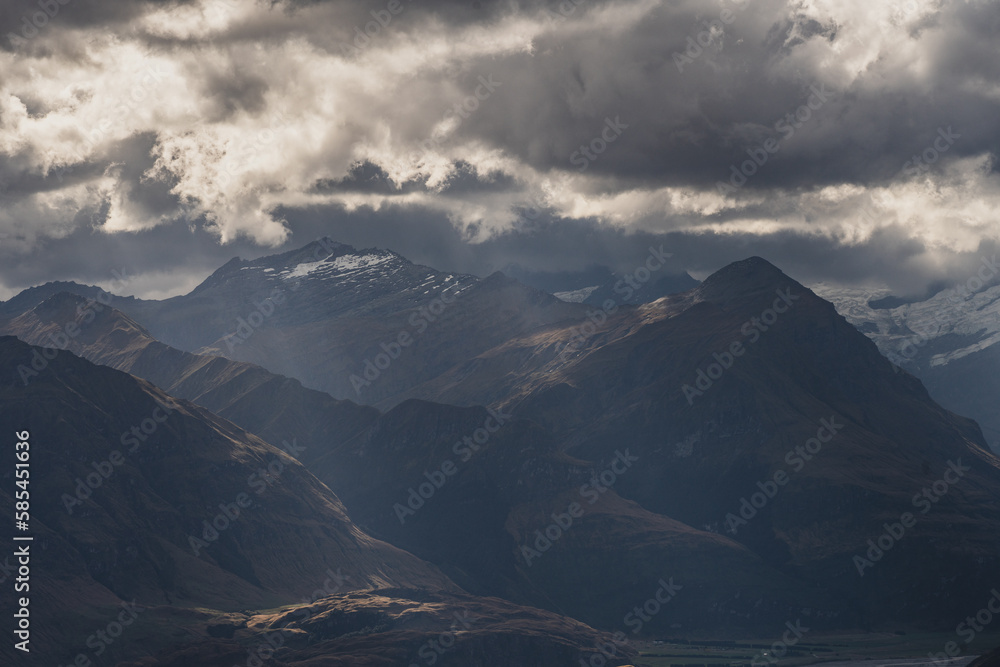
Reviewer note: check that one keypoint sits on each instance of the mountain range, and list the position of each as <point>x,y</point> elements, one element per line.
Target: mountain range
<point>947,338</point>
<point>452,442</point>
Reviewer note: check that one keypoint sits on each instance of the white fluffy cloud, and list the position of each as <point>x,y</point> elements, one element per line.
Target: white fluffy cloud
<point>251,108</point>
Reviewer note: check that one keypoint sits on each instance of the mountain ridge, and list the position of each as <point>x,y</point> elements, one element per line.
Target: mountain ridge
<point>713,389</point>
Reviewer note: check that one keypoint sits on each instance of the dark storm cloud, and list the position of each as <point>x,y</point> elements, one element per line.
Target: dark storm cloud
<point>181,253</point>
<point>368,178</point>
<point>601,112</point>
<point>561,245</point>
<point>17,184</point>
<point>466,179</point>
<point>229,88</point>
<point>689,127</point>
<point>463,179</point>
<point>22,19</point>
<point>454,12</point>
<point>684,127</point>
<point>134,158</point>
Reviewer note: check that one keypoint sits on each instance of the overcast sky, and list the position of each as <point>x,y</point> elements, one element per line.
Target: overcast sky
<point>163,138</point>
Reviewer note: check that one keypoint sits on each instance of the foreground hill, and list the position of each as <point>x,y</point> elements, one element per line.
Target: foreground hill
<point>155,512</point>
<point>123,480</point>
<point>400,627</point>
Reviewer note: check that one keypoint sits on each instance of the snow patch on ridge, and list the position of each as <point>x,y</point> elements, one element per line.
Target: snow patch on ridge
<point>576,296</point>
<point>340,264</point>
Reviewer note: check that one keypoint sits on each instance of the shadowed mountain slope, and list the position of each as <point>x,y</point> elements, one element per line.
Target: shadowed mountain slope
<point>136,496</point>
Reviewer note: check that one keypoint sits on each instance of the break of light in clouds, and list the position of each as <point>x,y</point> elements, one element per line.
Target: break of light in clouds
<point>238,124</point>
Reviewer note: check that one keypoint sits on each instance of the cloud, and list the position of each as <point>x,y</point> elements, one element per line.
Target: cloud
<point>235,122</point>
